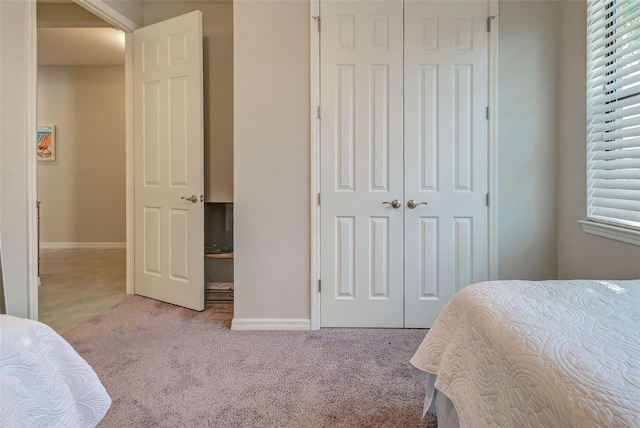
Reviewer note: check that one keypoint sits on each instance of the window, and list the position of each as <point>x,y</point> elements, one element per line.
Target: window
<point>613,114</point>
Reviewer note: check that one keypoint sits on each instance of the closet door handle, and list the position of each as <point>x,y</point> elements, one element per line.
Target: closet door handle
<point>395,203</point>
<point>192,198</point>
<point>412,204</point>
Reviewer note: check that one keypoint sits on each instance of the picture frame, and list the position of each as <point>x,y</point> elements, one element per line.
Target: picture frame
<point>46,143</point>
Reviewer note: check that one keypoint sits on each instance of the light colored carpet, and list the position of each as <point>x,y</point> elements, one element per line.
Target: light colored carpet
<point>166,366</point>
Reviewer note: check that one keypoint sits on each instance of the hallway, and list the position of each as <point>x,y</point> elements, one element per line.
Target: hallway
<point>77,284</point>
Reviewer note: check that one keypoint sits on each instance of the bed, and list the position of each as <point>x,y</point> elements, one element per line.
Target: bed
<point>535,354</point>
<point>43,380</point>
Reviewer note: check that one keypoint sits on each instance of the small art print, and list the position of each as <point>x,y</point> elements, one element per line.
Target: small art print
<point>46,143</point>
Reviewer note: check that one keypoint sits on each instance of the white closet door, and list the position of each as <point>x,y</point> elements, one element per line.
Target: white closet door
<point>361,155</point>
<point>446,95</point>
<point>404,97</point>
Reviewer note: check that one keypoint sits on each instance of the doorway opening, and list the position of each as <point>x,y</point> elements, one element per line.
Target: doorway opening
<point>81,172</point>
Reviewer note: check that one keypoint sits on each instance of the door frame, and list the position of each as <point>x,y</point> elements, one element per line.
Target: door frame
<point>492,152</point>
<point>31,209</point>
<point>121,22</point>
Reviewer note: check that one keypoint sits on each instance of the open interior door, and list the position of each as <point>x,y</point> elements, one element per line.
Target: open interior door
<point>169,172</point>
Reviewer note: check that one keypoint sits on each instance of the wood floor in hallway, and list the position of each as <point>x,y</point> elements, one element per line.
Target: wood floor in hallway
<point>77,284</point>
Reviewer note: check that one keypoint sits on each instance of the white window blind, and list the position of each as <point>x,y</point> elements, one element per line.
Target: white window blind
<point>613,112</point>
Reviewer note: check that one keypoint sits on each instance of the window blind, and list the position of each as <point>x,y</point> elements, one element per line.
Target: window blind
<point>613,112</point>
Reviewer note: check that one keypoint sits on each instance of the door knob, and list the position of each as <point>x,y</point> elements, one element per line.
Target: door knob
<point>412,204</point>
<point>192,198</point>
<point>395,203</point>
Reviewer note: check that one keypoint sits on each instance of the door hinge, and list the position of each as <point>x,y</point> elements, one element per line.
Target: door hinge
<point>487,199</point>
<point>320,112</point>
<point>319,285</point>
<point>488,112</point>
<point>489,19</point>
<point>318,199</point>
<point>317,19</point>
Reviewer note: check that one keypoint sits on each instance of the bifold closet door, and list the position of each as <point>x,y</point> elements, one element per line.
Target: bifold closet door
<point>445,149</point>
<point>362,156</point>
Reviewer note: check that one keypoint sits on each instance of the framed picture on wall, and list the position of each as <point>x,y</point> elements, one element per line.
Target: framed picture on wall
<point>46,143</point>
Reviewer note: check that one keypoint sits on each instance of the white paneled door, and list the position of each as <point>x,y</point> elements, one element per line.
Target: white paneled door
<point>362,164</point>
<point>169,178</point>
<point>404,98</point>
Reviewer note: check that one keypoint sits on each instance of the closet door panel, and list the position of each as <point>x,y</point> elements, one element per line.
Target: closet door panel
<point>361,157</point>
<point>445,152</point>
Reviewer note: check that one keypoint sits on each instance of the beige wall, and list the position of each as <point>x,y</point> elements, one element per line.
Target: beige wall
<point>272,107</point>
<point>580,255</point>
<point>17,163</point>
<point>82,192</point>
<point>272,199</point>
<point>527,121</point>
<point>217,28</point>
<point>272,158</point>
<point>66,15</point>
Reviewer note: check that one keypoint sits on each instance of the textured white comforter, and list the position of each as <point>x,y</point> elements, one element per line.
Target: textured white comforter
<point>539,354</point>
<point>43,380</point>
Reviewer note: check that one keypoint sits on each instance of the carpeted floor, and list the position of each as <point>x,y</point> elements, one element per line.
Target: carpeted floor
<point>166,366</point>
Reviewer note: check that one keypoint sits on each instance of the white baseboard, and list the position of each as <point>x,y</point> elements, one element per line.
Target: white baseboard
<point>82,245</point>
<point>270,324</point>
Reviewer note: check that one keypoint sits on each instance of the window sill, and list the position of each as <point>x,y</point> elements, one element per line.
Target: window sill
<point>629,236</point>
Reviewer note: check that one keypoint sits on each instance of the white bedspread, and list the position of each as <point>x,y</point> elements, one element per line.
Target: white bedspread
<point>539,354</point>
<point>43,380</point>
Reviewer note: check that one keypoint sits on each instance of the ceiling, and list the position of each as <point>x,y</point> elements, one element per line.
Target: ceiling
<point>80,46</point>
